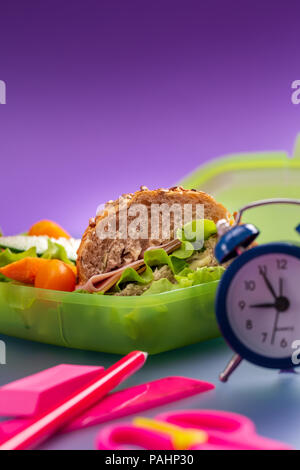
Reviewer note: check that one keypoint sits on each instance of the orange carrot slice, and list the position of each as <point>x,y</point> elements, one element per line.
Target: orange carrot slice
<point>24,270</point>
<point>49,228</point>
<point>74,268</point>
<point>56,275</point>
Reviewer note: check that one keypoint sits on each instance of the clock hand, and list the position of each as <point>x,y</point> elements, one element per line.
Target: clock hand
<point>282,305</point>
<point>263,306</point>
<point>268,283</point>
<point>275,327</point>
<point>280,286</point>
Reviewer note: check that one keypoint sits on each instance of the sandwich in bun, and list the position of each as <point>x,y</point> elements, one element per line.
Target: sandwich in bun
<point>151,241</point>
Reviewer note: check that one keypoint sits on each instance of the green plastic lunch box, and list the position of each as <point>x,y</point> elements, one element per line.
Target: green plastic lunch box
<point>159,322</point>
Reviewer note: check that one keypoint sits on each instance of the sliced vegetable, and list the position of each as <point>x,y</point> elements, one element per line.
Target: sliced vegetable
<point>189,277</point>
<point>24,270</point>
<point>22,243</point>
<point>49,228</point>
<point>7,257</point>
<point>56,251</point>
<point>73,267</point>
<point>56,275</point>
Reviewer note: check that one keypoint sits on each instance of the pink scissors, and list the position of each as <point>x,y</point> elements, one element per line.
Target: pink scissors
<point>187,430</point>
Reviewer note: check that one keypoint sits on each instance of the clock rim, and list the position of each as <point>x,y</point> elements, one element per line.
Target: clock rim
<point>221,304</point>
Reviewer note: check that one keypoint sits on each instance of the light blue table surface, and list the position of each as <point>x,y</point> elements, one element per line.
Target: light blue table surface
<point>270,399</point>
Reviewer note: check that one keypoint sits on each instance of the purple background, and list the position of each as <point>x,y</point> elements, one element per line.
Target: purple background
<point>103,96</point>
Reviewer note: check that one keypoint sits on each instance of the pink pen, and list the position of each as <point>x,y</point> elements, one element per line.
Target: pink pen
<point>44,426</point>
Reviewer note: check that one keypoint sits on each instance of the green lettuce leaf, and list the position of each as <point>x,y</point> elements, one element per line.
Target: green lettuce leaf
<point>178,257</point>
<point>8,257</point>
<point>202,275</point>
<point>176,261</point>
<point>187,278</point>
<point>131,275</point>
<point>157,257</point>
<point>197,231</point>
<point>56,251</point>
<point>162,285</point>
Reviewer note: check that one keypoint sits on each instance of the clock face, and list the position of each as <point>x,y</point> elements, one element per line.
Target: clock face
<point>263,303</point>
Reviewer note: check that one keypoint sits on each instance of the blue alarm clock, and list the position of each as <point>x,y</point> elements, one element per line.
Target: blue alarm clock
<point>258,299</point>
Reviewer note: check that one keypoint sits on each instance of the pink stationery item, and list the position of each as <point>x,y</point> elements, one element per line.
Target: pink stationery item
<point>36,393</point>
<point>187,430</point>
<point>139,398</point>
<point>230,430</point>
<point>123,403</point>
<point>49,422</point>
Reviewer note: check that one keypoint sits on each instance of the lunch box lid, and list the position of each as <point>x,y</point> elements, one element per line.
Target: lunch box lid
<point>235,180</point>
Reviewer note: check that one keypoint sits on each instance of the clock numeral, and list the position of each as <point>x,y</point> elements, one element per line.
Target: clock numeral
<point>249,324</point>
<point>283,343</point>
<point>242,304</point>
<point>250,285</point>
<point>263,269</point>
<point>264,337</point>
<point>281,263</point>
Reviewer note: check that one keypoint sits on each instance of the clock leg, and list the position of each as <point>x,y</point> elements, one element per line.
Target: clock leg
<point>231,366</point>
